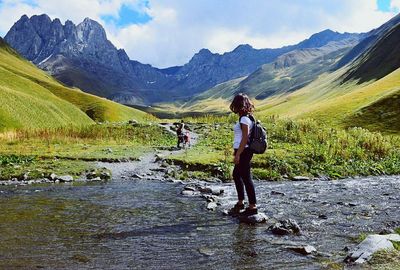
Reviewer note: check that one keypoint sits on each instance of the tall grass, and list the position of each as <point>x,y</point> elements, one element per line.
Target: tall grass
<point>303,147</point>
<point>140,133</point>
<point>95,142</point>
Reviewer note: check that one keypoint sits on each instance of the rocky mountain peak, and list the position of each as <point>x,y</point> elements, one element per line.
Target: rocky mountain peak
<point>24,18</point>
<point>41,19</point>
<point>90,29</point>
<point>201,57</point>
<point>204,52</point>
<point>243,48</point>
<point>81,55</point>
<point>324,37</point>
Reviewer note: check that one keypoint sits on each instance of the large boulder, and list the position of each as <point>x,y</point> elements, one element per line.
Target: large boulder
<point>373,243</point>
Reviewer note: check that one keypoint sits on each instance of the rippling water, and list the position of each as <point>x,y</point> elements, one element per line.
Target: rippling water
<point>137,224</point>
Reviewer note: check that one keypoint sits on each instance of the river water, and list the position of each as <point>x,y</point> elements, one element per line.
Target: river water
<point>142,224</point>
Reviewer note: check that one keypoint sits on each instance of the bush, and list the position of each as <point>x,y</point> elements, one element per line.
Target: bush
<point>304,147</point>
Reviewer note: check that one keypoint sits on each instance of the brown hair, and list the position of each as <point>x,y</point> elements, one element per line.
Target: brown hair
<point>242,104</point>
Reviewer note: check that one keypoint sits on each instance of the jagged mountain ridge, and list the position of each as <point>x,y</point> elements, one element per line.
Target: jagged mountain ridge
<point>289,72</point>
<point>80,55</point>
<point>244,60</point>
<point>371,58</point>
<point>367,40</point>
<point>30,98</point>
<point>381,58</point>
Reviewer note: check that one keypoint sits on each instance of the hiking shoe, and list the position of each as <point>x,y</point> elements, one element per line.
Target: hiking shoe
<point>249,212</point>
<point>235,210</point>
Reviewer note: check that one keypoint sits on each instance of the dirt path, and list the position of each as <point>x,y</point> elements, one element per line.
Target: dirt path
<point>151,165</point>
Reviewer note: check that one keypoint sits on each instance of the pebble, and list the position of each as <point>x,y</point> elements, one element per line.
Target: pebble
<point>284,227</point>
<point>191,188</point>
<point>277,193</point>
<point>137,176</point>
<point>212,206</point>
<point>189,193</point>
<point>300,178</point>
<point>206,251</point>
<point>65,178</point>
<point>304,250</point>
<point>254,219</point>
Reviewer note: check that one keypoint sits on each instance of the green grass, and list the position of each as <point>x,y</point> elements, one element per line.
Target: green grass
<point>380,115</point>
<point>37,168</point>
<point>327,101</point>
<point>30,98</point>
<point>385,260</point>
<point>65,149</point>
<point>303,147</point>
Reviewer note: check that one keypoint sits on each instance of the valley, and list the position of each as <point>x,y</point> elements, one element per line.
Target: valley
<point>88,154</point>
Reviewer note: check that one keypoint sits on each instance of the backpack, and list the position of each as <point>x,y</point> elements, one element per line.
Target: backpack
<point>258,143</point>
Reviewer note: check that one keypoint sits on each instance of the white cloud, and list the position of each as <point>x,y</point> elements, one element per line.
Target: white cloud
<point>223,25</point>
<point>180,27</point>
<point>395,5</point>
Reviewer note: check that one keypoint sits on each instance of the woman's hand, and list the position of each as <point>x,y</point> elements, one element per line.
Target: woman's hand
<point>236,159</point>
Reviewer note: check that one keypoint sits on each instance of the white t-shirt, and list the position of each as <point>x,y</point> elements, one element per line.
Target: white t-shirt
<point>237,131</point>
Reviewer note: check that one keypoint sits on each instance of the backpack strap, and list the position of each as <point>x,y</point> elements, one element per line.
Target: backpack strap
<point>251,117</point>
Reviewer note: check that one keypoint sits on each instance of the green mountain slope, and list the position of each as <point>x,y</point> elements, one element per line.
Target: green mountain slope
<point>287,74</point>
<point>302,84</point>
<point>327,100</point>
<point>380,115</point>
<point>381,59</point>
<point>29,98</point>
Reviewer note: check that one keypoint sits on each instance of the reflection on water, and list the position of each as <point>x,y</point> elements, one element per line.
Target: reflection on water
<point>244,246</point>
<point>149,225</point>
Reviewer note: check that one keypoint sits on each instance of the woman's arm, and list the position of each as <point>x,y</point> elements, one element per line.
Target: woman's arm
<point>243,142</point>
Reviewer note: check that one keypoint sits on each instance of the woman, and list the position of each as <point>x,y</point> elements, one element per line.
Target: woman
<point>244,108</point>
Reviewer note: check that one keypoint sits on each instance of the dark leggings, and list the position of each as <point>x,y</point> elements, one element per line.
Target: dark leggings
<point>242,177</point>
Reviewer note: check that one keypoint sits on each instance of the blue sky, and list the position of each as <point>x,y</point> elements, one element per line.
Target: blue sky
<point>168,32</point>
<point>384,5</point>
<point>128,15</point>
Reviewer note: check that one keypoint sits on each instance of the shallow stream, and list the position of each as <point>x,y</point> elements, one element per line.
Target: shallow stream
<point>140,224</point>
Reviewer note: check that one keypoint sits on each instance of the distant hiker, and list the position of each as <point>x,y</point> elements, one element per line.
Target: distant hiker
<point>244,108</point>
<point>186,139</point>
<point>179,134</point>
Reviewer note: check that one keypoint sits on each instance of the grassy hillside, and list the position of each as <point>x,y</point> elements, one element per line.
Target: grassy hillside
<point>305,84</point>
<point>328,101</point>
<point>24,103</point>
<point>283,76</point>
<point>32,99</point>
<point>380,115</point>
<point>214,100</point>
<point>381,59</point>
<point>289,73</point>
<point>371,105</point>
